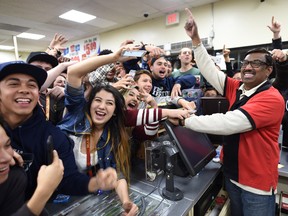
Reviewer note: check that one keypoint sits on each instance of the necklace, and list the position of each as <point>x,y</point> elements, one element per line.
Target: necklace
<point>88,158</point>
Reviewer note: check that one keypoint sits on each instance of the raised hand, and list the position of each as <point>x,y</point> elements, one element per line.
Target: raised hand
<point>279,55</point>
<point>191,28</point>
<point>275,27</point>
<point>58,41</point>
<point>119,52</point>
<point>226,53</point>
<point>154,51</point>
<point>48,179</point>
<point>148,99</point>
<point>124,83</point>
<point>176,90</point>
<point>50,176</point>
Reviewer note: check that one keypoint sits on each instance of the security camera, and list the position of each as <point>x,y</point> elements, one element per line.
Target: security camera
<point>145,15</point>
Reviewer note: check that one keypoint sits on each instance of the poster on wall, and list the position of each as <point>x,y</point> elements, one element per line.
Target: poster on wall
<point>82,49</point>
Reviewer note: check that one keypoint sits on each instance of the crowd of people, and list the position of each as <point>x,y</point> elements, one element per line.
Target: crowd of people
<point>101,109</point>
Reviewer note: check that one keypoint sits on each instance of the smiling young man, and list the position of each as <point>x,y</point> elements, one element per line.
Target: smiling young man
<point>19,95</point>
<point>251,126</point>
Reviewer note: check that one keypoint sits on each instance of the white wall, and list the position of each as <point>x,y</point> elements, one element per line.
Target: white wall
<point>10,56</point>
<point>155,31</point>
<point>242,23</point>
<point>237,23</point>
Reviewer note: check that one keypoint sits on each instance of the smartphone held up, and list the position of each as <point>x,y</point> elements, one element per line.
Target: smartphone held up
<point>134,53</point>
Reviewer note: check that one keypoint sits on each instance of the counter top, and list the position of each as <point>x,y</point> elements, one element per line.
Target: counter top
<point>192,187</point>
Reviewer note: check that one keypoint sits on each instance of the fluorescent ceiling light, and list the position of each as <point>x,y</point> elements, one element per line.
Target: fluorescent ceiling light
<point>4,47</point>
<point>77,16</point>
<point>30,36</point>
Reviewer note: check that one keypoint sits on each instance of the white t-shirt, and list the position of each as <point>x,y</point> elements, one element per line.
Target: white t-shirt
<point>80,157</point>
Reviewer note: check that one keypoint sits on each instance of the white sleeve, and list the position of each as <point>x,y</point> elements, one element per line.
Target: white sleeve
<point>208,69</point>
<point>231,122</point>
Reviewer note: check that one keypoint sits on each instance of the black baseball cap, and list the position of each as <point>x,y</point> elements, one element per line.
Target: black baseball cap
<point>42,56</point>
<point>13,67</point>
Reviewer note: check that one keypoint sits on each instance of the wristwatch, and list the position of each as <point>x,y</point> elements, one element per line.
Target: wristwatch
<point>195,46</point>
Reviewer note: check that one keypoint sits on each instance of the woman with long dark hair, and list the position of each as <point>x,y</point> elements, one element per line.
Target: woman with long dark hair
<point>97,125</point>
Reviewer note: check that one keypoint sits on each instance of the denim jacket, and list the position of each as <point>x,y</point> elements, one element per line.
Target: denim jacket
<point>75,120</point>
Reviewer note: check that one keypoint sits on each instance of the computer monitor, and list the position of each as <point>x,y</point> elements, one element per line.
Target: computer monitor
<point>210,105</point>
<point>195,149</point>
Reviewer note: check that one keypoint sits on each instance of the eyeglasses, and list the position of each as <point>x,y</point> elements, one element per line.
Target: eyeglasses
<point>254,64</point>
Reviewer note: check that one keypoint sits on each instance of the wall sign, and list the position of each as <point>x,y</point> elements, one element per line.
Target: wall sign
<point>82,49</point>
<point>172,18</point>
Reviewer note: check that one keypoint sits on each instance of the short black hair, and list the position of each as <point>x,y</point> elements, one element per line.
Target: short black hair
<point>155,58</point>
<point>268,56</point>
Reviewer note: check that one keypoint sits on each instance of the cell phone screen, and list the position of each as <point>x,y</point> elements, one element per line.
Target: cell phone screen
<point>134,53</point>
<point>132,73</point>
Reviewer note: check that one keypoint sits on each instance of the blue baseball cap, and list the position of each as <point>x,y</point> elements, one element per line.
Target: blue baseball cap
<point>13,67</point>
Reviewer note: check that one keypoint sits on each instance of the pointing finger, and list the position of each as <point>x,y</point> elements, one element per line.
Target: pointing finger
<point>189,13</point>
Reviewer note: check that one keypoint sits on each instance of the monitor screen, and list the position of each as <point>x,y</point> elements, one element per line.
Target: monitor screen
<point>210,105</point>
<point>195,149</point>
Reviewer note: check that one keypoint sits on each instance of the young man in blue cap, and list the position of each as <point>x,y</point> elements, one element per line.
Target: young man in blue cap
<point>19,95</point>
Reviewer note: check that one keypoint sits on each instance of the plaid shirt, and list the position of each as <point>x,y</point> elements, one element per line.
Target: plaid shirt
<point>99,75</point>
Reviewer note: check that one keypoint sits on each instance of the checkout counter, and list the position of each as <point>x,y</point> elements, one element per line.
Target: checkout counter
<point>199,192</point>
